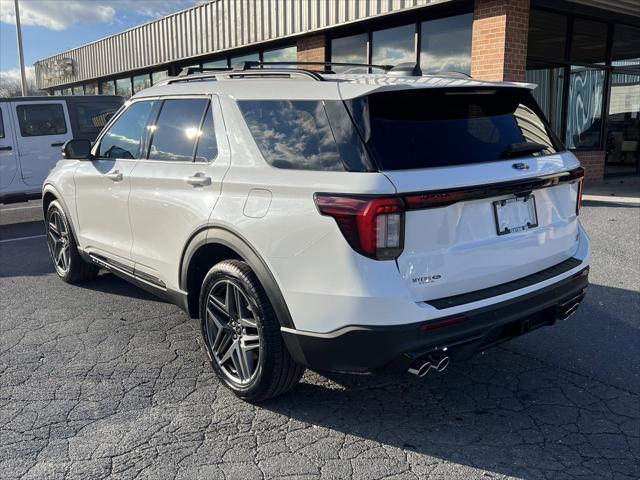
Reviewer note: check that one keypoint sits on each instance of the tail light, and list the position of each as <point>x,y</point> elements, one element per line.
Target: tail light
<point>373,227</point>
<point>578,174</point>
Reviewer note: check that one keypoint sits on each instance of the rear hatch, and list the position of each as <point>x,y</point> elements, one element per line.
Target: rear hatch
<point>491,197</point>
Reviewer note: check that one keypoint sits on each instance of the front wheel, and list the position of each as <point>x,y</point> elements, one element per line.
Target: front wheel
<point>242,334</point>
<point>63,249</point>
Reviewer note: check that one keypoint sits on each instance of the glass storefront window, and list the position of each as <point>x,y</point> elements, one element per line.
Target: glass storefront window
<point>78,90</point>
<point>626,46</point>
<point>108,88</point>
<point>123,87</point>
<point>351,49</point>
<point>394,45</point>
<point>445,45</point>
<point>548,93</point>
<point>623,126</point>
<point>286,54</point>
<point>547,35</point>
<point>140,82</point>
<point>66,91</point>
<point>159,76</point>
<point>251,57</point>
<point>589,42</point>
<point>584,112</point>
<point>222,63</point>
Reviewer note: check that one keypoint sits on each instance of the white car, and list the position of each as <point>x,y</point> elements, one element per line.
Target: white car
<point>33,130</point>
<point>352,222</point>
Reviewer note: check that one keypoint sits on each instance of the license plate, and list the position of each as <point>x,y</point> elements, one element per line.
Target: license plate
<point>515,214</point>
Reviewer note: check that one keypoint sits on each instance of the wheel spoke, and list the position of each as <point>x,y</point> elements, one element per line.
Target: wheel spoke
<point>53,230</point>
<point>244,362</point>
<point>250,342</point>
<point>247,322</point>
<point>229,352</point>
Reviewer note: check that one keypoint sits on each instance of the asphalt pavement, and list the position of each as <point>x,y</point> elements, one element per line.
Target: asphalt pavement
<point>103,380</point>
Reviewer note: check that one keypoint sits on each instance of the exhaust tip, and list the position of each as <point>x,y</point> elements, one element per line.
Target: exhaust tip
<point>442,364</point>
<point>420,368</point>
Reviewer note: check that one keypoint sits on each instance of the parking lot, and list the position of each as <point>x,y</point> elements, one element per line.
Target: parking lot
<point>104,380</point>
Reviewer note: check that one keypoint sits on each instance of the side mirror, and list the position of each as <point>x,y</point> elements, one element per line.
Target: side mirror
<point>77,149</point>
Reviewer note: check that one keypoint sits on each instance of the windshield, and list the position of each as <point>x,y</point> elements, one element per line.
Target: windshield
<point>425,128</point>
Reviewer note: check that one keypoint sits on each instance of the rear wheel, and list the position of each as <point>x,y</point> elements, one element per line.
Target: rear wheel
<point>242,334</point>
<point>63,249</point>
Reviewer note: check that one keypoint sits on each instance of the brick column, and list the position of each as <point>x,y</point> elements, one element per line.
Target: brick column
<point>593,163</point>
<point>499,44</point>
<point>312,49</point>
<point>91,87</point>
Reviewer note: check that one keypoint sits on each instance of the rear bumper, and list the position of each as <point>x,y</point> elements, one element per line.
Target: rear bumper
<point>394,348</point>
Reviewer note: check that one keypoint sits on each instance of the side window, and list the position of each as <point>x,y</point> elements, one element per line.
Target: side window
<point>92,117</point>
<point>1,126</point>
<point>125,137</point>
<point>40,119</point>
<point>207,148</point>
<point>293,134</point>
<point>177,129</point>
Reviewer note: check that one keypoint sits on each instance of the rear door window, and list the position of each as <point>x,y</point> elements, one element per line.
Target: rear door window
<point>93,116</point>
<point>39,119</point>
<point>425,128</point>
<point>293,134</point>
<point>207,149</point>
<point>125,137</point>
<point>177,129</point>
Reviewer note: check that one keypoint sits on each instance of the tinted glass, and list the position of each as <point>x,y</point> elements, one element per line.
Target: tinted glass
<point>78,90</point>
<point>222,63</point>
<point>66,91</point>
<point>547,35</point>
<point>394,45</point>
<point>439,127</point>
<point>446,45</point>
<point>207,148</point>
<point>1,126</point>
<point>623,136</point>
<point>41,119</point>
<point>108,87</point>
<point>159,76</point>
<point>589,41</point>
<point>548,93</point>
<point>92,116</point>
<point>123,87</point>
<point>292,134</point>
<point>351,49</point>
<point>177,129</point>
<point>626,46</point>
<point>141,82</point>
<point>287,54</point>
<point>252,57</point>
<point>125,137</point>
<point>584,116</point>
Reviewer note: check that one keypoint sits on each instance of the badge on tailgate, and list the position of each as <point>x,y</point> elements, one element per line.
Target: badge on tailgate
<point>515,214</point>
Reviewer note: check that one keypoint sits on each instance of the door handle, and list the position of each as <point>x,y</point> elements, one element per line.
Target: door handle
<point>115,176</point>
<point>57,144</point>
<point>199,180</point>
<point>7,148</point>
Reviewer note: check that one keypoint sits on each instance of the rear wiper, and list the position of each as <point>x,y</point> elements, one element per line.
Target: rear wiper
<point>523,148</point>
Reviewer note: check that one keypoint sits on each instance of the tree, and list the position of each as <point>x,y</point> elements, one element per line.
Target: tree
<point>10,83</point>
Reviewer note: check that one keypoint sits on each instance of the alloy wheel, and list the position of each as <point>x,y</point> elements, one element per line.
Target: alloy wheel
<point>232,331</point>
<point>58,242</point>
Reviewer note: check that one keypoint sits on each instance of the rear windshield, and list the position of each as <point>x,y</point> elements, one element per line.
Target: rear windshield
<point>413,129</point>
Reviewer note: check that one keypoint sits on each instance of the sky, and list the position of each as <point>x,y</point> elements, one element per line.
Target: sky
<point>53,26</point>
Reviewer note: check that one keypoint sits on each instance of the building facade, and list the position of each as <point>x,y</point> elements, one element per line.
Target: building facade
<point>584,55</point>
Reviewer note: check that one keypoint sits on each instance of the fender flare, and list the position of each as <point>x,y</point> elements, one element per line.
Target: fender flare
<point>49,188</point>
<point>234,241</point>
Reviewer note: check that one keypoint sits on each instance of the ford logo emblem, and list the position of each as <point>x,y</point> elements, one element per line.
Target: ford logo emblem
<point>520,166</point>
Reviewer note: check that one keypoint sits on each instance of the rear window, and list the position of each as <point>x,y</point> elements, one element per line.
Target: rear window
<point>92,116</point>
<point>293,134</point>
<point>39,119</point>
<point>413,129</point>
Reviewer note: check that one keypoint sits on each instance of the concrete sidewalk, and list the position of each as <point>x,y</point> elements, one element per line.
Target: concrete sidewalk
<point>616,190</point>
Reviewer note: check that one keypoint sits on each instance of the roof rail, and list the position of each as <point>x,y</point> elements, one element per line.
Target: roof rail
<point>251,64</point>
<point>191,74</point>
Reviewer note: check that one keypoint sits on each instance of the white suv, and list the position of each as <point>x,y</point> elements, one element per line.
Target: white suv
<point>352,222</point>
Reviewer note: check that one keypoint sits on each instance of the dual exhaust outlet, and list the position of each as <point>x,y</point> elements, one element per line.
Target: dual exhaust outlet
<point>422,365</point>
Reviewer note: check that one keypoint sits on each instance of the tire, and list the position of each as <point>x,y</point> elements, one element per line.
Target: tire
<point>69,266</point>
<point>252,373</point>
